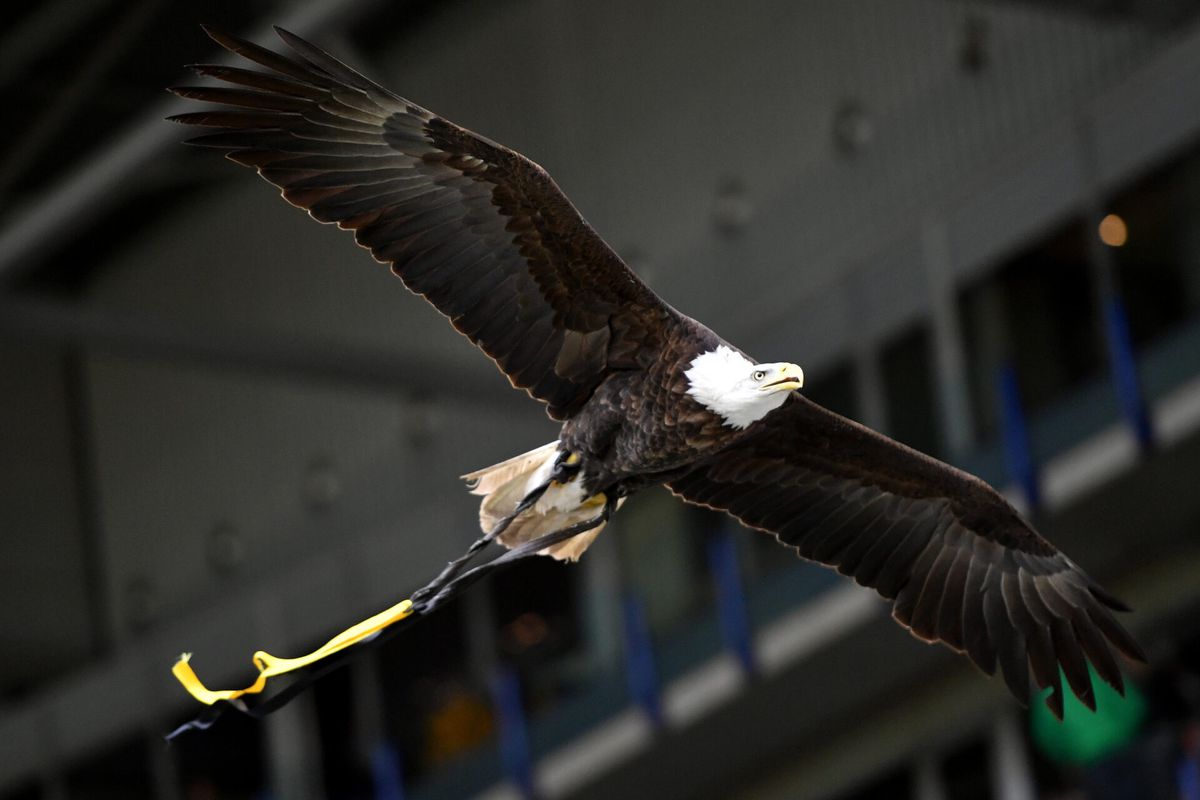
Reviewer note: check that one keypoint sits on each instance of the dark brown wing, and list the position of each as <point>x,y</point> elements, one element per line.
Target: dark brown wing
<point>480,231</point>
<point>959,563</point>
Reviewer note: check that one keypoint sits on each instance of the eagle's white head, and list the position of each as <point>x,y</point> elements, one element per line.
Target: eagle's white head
<point>738,390</point>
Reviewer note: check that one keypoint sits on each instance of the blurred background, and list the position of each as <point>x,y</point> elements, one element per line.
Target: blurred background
<point>224,428</point>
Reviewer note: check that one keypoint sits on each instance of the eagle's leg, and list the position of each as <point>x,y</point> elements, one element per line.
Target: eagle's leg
<point>565,468</point>
<point>532,547</point>
<point>454,567</point>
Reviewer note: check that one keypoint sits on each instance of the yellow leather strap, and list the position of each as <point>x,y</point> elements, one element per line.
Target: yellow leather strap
<point>269,666</point>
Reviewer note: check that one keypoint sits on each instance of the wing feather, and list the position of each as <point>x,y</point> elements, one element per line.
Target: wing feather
<point>433,200</point>
<point>950,605</point>
<point>958,563</point>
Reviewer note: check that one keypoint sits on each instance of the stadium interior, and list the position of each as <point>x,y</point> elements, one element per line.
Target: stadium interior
<point>974,223</point>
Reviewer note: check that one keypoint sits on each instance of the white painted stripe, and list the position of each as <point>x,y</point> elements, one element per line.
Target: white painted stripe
<point>695,694</point>
<point>1073,473</point>
<point>1096,461</point>
<point>595,752</point>
<point>814,625</point>
<point>500,791</point>
<point>1178,414</point>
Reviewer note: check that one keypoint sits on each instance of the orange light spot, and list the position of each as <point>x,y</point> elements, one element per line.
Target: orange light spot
<point>1113,231</point>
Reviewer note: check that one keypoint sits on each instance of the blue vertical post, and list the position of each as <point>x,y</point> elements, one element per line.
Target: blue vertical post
<point>1015,431</point>
<point>731,597</point>
<point>640,670</point>
<point>1187,775</point>
<point>514,733</point>
<point>387,772</point>
<point>1106,286</point>
<point>1126,381</point>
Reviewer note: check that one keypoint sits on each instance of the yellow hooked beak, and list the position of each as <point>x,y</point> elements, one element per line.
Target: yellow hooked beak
<point>789,378</point>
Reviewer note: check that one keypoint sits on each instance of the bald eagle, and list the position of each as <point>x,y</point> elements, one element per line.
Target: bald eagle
<point>647,395</point>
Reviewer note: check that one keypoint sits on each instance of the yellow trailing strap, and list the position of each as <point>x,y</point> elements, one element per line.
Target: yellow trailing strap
<point>269,666</point>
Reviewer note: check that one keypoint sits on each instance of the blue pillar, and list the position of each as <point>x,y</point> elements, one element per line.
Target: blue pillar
<point>1106,287</point>
<point>387,772</point>
<point>640,669</point>
<point>514,733</point>
<point>1187,776</point>
<point>1015,431</point>
<point>731,597</point>
<point>1123,361</point>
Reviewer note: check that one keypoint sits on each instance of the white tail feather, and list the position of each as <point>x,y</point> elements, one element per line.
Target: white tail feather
<point>487,480</point>
<point>504,485</point>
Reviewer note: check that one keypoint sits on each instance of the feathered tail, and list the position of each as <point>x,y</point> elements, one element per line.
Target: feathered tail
<point>504,485</point>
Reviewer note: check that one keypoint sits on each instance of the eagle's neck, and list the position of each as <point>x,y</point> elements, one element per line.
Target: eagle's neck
<point>720,381</point>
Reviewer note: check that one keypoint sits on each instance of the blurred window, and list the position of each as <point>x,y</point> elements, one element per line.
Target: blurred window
<point>663,557</point>
<point>966,772</point>
<point>833,387</point>
<point>344,756</point>
<point>1159,263</point>
<point>896,785</point>
<point>539,623</point>
<point>1036,310</point>
<point>912,407</point>
<point>426,674</point>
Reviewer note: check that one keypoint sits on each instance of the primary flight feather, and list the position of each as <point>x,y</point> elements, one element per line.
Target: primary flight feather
<point>646,394</point>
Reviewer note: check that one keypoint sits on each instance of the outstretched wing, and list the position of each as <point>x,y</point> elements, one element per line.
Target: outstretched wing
<point>480,231</point>
<point>959,564</point>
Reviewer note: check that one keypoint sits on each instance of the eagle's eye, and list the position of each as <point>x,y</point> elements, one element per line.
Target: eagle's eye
<point>759,374</point>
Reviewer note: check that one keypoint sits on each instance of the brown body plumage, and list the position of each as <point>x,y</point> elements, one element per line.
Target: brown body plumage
<point>486,236</point>
<point>640,427</point>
